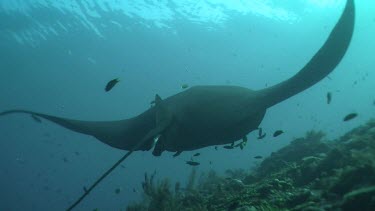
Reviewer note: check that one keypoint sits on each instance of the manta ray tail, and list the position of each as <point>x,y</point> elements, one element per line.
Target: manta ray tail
<point>79,200</point>
<point>322,63</point>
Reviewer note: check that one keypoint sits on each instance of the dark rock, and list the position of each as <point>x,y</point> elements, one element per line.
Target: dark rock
<point>299,198</point>
<point>250,179</point>
<point>354,177</point>
<point>362,199</point>
<point>310,145</point>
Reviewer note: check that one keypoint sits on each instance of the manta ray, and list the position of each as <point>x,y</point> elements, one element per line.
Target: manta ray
<point>203,116</point>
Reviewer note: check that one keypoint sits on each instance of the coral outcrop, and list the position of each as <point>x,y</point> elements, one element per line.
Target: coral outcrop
<point>311,173</point>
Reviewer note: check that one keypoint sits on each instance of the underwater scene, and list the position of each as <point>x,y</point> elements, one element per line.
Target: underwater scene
<point>187,105</point>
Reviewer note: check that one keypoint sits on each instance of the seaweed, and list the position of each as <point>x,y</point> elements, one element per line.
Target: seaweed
<point>159,195</point>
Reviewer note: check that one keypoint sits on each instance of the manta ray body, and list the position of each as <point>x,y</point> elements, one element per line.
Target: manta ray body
<point>211,115</point>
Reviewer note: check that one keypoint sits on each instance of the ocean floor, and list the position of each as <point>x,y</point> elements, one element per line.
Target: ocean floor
<point>311,173</point>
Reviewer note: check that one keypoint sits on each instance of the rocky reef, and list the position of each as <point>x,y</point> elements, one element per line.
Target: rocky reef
<point>309,174</point>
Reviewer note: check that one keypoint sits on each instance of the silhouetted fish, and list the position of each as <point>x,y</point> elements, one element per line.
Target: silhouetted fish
<point>261,135</point>
<point>111,84</point>
<point>118,190</point>
<point>197,154</point>
<point>177,154</point>
<point>239,145</point>
<point>184,86</point>
<point>350,116</point>
<point>228,147</point>
<point>192,163</point>
<point>329,97</point>
<point>277,133</point>
<point>258,157</point>
<point>244,139</point>
<point>260,131</point>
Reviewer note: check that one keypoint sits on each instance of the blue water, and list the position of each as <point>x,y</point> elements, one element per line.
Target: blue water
<point>57,56</point>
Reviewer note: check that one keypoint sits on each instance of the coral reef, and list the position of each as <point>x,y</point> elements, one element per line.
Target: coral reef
<point>311,173</point>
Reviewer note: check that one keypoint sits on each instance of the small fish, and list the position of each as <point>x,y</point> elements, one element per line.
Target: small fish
<point>258,157</point>
<point>277,133</point>
<point>192,163</point>
<point>260,131</point>
<point>350,116</point>
<point>177,153</point>
<point>36,119</point>
<point>118,190</point>
<point>77,153</point>
<point>243,144</point>
<point>244,139</point>
<point>65,160</point>
<point>215,147</point>
<point>85,189</point>
<point>111,84</point>
<point>228,147</point>
<point>184,86</point>
<point>134,190</point>
<point>261,135</point>
<point>197,154</point>
<point>237,145</point>
<point>329,97</point>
